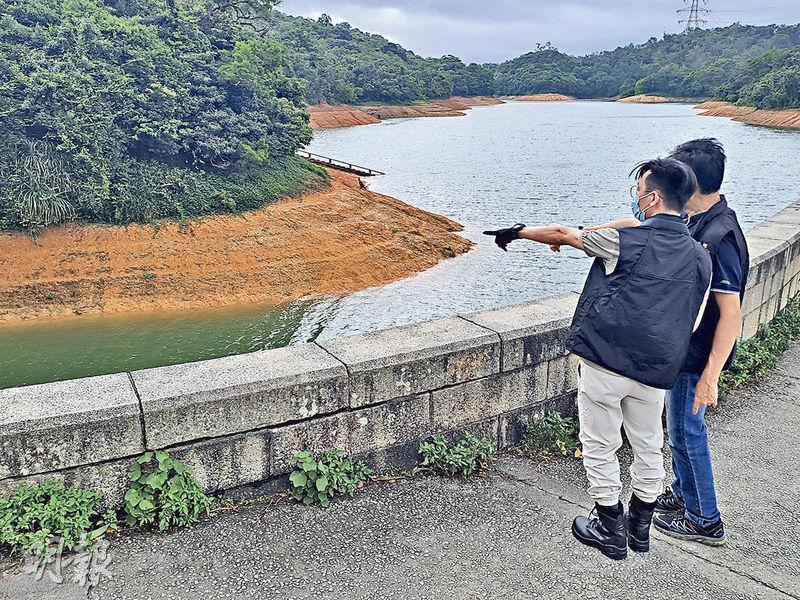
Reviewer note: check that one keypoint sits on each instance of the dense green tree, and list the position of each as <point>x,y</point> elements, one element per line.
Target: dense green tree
<point>97,95</point>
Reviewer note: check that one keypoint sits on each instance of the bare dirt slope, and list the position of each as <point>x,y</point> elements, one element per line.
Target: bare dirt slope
<point>334,241</point>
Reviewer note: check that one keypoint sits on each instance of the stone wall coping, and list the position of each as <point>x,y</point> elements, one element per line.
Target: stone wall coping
<point>67,402</point>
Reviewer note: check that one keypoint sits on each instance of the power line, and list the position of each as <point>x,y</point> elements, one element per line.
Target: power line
<point>694,11</point>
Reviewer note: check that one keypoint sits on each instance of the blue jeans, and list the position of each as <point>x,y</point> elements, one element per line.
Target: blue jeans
<point>691,458</point>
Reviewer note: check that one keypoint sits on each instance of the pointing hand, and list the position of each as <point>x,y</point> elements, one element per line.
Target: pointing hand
<point>503,237</point>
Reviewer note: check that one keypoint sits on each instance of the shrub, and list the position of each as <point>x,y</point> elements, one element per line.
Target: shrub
<point>165,491</point>
<point>319,481</point>
<point>464,458</point>
<point>554,434</point>
<point>32,514</point>
<point>759,355</point>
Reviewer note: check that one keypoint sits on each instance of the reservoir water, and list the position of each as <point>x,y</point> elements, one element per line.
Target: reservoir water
<point>537,163</point>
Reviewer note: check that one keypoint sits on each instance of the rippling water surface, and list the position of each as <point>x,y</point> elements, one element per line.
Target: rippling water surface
<point>538,163</point>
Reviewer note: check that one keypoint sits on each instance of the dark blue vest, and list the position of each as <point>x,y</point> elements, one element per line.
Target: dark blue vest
<point>637,322</point>
<point>713,226</point>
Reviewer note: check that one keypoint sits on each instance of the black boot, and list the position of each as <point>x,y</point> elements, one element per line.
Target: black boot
<point>640,515</point>
<point>606,532</point>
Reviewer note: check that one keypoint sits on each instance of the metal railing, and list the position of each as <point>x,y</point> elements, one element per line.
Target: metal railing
<point>338,164</point>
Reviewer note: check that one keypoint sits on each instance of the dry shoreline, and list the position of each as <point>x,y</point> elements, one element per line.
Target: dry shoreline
<point>334,241</point>
<point>325,116</point>
<point>651,99</point>
<point>787,119</point>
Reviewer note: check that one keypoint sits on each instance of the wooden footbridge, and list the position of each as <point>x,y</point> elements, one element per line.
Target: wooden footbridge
<point>341,165</point>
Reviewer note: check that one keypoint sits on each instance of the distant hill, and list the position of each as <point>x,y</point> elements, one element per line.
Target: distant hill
<point>342,64</point>
<point>758,65</point>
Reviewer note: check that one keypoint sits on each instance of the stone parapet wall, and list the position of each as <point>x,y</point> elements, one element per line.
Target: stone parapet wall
<point>237,421</point>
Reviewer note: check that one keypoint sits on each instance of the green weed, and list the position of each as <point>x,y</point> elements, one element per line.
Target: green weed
<point>551,435</point>
<point>464,458</point>
<point>32,514</point>
<point>319,481</point>
<point>164,491</point>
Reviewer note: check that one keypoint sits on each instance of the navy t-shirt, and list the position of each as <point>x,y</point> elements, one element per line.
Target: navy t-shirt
<point>727,267</point>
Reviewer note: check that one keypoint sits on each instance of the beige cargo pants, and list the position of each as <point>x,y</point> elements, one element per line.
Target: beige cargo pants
<point>607,402</point>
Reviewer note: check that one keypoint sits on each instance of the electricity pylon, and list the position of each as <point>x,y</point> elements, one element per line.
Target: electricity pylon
<point>694,12</point>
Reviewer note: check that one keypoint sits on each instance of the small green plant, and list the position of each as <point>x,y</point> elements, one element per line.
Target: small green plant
<point>164,491</point>
<point>464,458</point>
<point>320,480</point>
<point>759,355</point>
<point>149,276</point>
<point>32,514</point>
<point>551,435</point>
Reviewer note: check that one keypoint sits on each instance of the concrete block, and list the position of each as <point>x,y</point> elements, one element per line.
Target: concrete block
<point>768,310</point>
<point>239,393</point>
<point>315,436</point>
<point>750,323</point>
<point>59,425</point>
<point>753,297</point>
<point>776,230</point>
<point>454,407</point>
<point>417,358</point>
<point>562,376</point>
<point>391,423</point>
<point>109,479</point>
<point>531,333</point>
<point>229,461</point>
<point>512,424</point>
<point>483,430</point>
<point>395,459</point>
<point>789,215</point>
<point>766,256</point>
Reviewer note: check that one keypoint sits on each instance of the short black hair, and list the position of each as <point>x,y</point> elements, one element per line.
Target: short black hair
<point>706,157</point>
<point>673,179</point>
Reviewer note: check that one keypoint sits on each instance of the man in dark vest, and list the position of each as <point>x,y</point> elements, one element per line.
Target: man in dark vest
<point>688,509</point>
<point>631,330</point>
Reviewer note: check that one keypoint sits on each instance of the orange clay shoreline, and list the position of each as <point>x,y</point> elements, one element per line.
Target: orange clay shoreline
<point>788,118</point>
<point>333,241</point>
<point>325,116</point>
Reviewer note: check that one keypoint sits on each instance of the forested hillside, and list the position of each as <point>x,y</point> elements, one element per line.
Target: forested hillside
<point>125,111</point>
<point>341,64</point>
<point>758,65</point>
<point>133,110</point>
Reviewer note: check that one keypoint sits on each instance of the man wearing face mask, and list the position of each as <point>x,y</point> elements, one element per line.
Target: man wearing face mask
<point>631,330</point>
<point>688,509</point>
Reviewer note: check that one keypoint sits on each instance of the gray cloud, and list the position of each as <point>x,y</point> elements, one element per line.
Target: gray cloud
<point>490,31</point>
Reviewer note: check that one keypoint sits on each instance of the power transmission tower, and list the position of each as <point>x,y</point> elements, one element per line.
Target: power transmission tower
<point>694,11</point>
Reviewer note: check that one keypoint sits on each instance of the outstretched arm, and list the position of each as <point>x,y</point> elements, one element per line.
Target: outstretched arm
<point>553,235</point>
<point>621,224</point>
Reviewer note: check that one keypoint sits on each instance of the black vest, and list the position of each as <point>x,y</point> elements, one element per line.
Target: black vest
<point>637,321</point>
<point>714,225</point>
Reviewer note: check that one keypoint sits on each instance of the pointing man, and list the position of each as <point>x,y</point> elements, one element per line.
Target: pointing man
<point>631,330</point>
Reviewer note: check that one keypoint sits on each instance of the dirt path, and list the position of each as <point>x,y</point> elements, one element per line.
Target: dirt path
<point>338,240</point>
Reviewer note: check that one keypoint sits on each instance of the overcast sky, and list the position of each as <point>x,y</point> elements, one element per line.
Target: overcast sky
<point>496,30</point>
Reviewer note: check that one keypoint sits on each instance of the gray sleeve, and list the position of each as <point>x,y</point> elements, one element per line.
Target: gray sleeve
<point>602,244</point>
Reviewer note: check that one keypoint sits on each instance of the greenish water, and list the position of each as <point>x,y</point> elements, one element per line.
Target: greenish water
<point>66,349</point>
<point>536,163</point>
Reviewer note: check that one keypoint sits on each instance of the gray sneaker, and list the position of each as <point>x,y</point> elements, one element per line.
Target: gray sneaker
<point>669,503</point>
<point>678,526</point>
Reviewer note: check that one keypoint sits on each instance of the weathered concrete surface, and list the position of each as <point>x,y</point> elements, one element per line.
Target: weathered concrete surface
<point>239,393</point>
<point>502,536</point>
<point>532,332</point>
<point>68,423</point>
<point>416,358</point>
